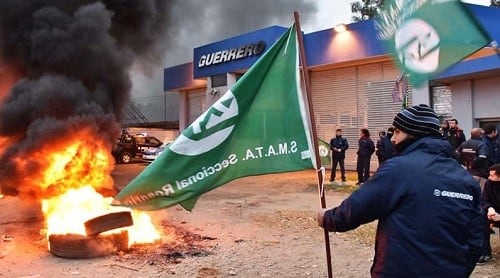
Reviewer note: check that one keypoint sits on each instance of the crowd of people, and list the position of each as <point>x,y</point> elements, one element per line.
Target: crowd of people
<point>436,195</point>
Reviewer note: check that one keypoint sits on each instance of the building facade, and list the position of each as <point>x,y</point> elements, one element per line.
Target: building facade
<point>354,82</point>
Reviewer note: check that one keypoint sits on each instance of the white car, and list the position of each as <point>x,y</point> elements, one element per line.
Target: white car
<point>151,154</point>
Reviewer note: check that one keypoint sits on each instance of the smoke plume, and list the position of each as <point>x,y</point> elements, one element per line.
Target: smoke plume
<point>65,69</point>
<point>70,61</point>
<point>201,22</point>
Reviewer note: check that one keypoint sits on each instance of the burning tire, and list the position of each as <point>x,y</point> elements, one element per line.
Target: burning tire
<point>73,246</point>
<point>108,222</point>
<point>125,157</point>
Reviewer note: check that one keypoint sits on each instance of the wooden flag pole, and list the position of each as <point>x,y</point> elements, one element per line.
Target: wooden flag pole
<point>307,85</point>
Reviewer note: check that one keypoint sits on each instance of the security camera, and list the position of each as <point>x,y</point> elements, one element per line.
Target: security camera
<point>213,92</point>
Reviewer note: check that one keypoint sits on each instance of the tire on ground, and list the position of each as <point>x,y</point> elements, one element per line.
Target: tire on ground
<point>108,222</point>
<point>74,246</point>
<point>126,157</point>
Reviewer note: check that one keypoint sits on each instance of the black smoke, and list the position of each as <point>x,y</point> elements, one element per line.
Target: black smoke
<point>74,59</point>
<point>202,22</point>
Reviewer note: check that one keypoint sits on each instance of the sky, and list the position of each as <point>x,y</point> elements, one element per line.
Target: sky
<point>333,12</point>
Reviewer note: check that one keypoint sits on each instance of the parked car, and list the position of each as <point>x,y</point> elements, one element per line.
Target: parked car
<point>150,155</point>
<point>129,146</point>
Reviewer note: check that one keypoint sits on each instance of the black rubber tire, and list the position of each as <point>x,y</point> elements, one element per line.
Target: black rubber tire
<point>126,157</point>
<point>73,246</point>
<point>108,222</point>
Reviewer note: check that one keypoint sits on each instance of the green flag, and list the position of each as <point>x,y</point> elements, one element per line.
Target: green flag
<point>428,36</point>
<point>257,127</point>
<point>324,152</point>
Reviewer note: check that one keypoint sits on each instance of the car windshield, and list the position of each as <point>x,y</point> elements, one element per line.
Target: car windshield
<point>163,147</point>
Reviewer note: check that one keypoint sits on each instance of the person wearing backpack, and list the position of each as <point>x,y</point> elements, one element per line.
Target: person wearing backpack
<point>473,154</point>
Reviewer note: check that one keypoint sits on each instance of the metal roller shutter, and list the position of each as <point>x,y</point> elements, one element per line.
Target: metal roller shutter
<point>336,106</point>
<point>352,98</point>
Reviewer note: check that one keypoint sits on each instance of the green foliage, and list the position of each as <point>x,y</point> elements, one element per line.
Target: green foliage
<point>366,9</point>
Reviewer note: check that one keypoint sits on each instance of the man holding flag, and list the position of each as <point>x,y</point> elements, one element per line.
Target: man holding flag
<point>427,205</point>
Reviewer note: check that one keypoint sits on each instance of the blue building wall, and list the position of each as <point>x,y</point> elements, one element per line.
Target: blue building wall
<point>328,47</point>
<point>324,47</point>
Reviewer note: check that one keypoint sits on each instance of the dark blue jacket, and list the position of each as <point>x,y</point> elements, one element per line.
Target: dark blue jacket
<point>385,148</point>
<point>428,211</point>
<point>366,147</point>
<point>492,144</point>
<point>339,143</point>
<point>475,153</point>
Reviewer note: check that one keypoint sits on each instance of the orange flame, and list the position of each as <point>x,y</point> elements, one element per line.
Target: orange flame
<point>66,214</point>
<point>69,184</point>
<point>8,77</point>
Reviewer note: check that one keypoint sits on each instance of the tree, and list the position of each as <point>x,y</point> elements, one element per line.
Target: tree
<point>366,9</point>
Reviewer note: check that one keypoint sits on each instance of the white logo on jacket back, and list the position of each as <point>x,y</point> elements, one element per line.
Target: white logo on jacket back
<point>452,194</point>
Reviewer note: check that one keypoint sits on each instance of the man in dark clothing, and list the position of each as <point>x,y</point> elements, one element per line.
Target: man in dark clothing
<point>426,203</point>
<point>338,145</point>
<point>473,154</point>
<point>378,146</point>
<point>491,140</point>
<point>455,135</point>
<point>444,129</point>
<point>385,146</point>
<point>490,202</point>
<point>365,150</point>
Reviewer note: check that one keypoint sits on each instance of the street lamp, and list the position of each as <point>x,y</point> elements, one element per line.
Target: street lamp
<point>339,28</point>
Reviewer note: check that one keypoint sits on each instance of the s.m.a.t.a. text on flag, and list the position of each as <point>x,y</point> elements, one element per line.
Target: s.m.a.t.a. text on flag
<point>257,127</point>
<point>428,36</point>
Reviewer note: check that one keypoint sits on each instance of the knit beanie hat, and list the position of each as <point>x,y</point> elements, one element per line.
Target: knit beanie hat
<point>419,121</point>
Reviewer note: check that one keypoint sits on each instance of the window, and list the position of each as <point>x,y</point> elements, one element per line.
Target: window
<point>219,80</point>
<point>140,140</point>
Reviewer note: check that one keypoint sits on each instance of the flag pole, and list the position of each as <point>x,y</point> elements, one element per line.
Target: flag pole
<point>307,85</point>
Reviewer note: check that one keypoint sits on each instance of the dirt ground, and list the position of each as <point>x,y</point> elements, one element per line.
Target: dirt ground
<point>254,227</point>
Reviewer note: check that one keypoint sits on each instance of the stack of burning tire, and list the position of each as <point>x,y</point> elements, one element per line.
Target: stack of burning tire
<point>100,239</point>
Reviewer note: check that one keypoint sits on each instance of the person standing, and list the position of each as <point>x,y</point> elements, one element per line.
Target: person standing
<point>385,147</point>
<point>427,205</point>
<point>455,135</point>
<point>473,154</point>
<point>490,202</point>
<point>378,147</point>
<point>490,138</point>
<point>366,148</point>
<point>338,146</point>
<point>444,129</point>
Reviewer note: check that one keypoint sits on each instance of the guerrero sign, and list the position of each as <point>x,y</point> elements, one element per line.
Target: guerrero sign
<point>232,54</point>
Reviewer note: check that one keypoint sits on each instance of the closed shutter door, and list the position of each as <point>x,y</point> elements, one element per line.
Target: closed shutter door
<point>335,106</point>
<point>352,98</point>
<point>367,76</point>
<point>381,106</point>
<point>196,105</point>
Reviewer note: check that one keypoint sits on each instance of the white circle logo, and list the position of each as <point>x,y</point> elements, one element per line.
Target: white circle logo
<point>208,128</point>
<point>417,46</point>
<point>437,192</point>
<point>323,151</point>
